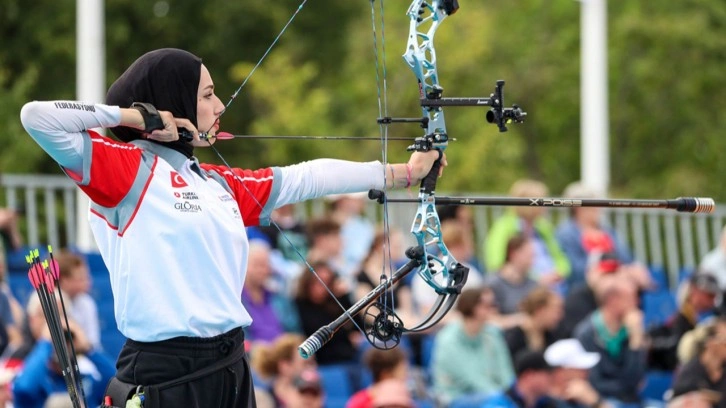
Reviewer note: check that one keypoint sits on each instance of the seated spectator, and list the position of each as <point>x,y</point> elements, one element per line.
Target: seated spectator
<point>512,283</point>
<point>75,281</point>
<point>276,365</point>
<point>550,264</point>
<point>581,301</point>
<point>272,314</point>
<point>326,243</point>
<point>462,345</point>
<point>570,385</point>
<point>695,399</point>
<point>462,218</point>
<point>534,378</point>
<point>543,308</point>
<point>289,238</point>
<point>584,233</point>
<point>706,371</point>
<point>41,375</point>
<point>460,243</point>
<point>32,328</point>
<point>307,390</point>
<point>356,231</point>
<point>10,238</point>
<point>714,262</point>
<point>392,394</point>
<point>615,331</point>
<point>11,337</point>
<point>699,299</point>
<point>688,346</point>
<point>316,308</point>
<point>387,367</point>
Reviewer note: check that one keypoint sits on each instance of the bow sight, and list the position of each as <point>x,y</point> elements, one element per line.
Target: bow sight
<point>497,114</point>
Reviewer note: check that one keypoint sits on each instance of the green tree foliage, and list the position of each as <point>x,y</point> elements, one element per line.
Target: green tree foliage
<point>666,68</point>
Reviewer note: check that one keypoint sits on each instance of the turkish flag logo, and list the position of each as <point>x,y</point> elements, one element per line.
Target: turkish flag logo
<point>177,180</point>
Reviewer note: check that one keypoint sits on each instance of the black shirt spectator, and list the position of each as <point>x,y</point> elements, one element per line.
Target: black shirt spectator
<point>316,309</point>
<point>701,293</point>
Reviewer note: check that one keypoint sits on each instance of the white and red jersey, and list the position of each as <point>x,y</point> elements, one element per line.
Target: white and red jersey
<point>177,234</point>
<point>171,231</point>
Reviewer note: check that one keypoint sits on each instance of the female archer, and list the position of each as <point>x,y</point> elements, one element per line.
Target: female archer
<point>171,229</point>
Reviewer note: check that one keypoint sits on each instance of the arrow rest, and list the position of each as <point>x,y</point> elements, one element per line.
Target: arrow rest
<point>383,328</point>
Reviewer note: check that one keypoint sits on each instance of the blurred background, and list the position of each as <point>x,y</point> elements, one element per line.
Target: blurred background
<point>661,105</point>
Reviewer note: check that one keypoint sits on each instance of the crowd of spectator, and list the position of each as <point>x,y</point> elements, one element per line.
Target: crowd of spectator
<point>552,317</point>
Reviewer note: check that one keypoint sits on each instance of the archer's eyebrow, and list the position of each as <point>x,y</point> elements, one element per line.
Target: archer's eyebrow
<point>209,88</point>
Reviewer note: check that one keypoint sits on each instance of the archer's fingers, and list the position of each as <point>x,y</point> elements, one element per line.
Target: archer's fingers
<point>444,163</point>
<point>169,133</point>
<point>187,124</point>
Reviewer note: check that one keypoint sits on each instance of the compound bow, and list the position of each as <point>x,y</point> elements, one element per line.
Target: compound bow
<point>430,257</point>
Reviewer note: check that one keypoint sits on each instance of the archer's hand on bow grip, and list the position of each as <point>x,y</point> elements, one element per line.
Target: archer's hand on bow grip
<point>428,183</point>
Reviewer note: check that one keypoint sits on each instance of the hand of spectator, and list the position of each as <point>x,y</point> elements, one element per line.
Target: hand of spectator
<point>340,287</point>
<point>693,399</point>
<point>80,340</point>
<point>549,279</point>
<point>524,321</point>
<point>639,273</point>
<point>45,334</point>
<point>9,223</point>
<point>7,217</point>
<point>580,391</point>
<point>633,322</point>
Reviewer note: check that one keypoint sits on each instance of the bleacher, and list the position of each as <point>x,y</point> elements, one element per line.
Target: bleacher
<point>671,243</point>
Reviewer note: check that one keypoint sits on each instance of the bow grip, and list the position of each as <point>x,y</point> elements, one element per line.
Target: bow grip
<point>428,183</point>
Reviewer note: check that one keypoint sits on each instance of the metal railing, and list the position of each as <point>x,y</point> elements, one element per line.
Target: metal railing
<point>660,238</point>
<point>47,205</point>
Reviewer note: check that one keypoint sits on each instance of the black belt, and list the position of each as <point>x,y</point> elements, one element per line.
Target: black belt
<point>120,391</point>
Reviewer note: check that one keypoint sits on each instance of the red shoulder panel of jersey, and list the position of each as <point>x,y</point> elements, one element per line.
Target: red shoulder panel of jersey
<point>251,189</point>
<point>114,166</point>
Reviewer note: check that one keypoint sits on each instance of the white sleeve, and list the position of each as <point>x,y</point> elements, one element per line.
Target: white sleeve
<point>317,178</point>
<point>58,127</point>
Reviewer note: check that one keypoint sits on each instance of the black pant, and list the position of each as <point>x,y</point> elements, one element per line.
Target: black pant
<point>160,362</point>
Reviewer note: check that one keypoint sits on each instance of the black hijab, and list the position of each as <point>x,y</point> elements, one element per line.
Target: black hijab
<point>167,78</point>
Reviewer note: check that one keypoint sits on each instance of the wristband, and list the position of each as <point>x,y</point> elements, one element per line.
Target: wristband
<point>152,120</point>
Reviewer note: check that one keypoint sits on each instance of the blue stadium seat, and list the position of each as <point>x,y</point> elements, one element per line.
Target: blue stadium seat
<point>20,286</point>
<point>656,385</point>
<point>16,259</point>
<point>336,383</point>
<point>658,306</point>
<point>659,276</point>
<point>427,349</point>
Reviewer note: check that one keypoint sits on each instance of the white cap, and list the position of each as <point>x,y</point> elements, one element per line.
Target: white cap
<point>569,353</point>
